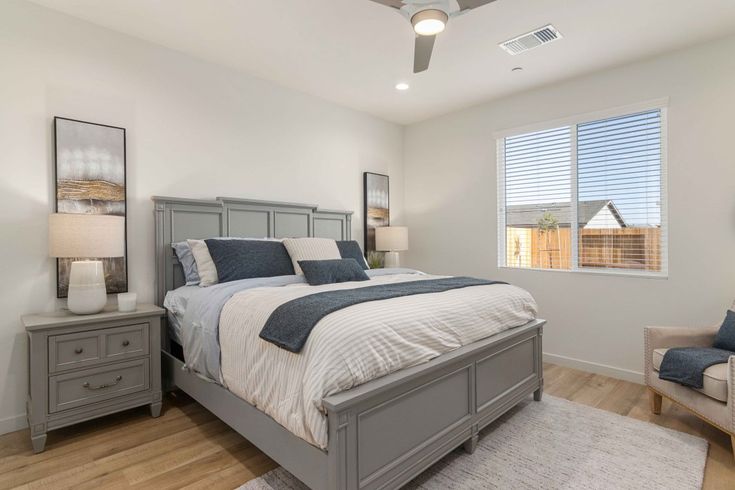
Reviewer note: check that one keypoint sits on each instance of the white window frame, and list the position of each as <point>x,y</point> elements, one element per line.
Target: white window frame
<point>573,121</point>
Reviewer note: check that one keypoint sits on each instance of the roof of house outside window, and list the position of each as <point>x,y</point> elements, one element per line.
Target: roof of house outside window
<point>528,215</point>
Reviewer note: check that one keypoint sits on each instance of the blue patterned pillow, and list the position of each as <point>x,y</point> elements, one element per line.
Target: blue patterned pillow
<point>350,249</point>
<point>245,259</point>
<point>318,272</point>
<point>725,338</point>
<point>186,259</point>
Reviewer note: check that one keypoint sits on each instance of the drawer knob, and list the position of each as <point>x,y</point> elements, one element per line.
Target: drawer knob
<point>104,385</point>
<point>126,343</point>
<point>79,350</point>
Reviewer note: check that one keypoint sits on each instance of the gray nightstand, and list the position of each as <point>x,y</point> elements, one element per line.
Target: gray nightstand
<point>82,367</point>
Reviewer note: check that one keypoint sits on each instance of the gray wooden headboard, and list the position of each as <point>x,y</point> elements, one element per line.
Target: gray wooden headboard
<point>177,219</point>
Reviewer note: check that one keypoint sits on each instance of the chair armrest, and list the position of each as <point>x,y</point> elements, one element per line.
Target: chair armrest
<point>667,337</point>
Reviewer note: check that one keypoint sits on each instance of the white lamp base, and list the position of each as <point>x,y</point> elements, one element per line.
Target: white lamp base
<point>391,260</point>
<point>87,292</point>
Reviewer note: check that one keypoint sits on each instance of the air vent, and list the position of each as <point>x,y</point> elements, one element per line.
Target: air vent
<point>530,40</point>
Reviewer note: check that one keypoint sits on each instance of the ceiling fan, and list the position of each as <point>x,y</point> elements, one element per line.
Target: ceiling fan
<point>429,18</point>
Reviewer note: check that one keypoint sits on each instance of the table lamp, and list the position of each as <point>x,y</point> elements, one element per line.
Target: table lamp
<point>391,240</point>
<point>86,236</point>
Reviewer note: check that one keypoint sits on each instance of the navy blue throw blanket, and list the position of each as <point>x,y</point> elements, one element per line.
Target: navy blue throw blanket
<point>686,365</point>
<point>291,323</point>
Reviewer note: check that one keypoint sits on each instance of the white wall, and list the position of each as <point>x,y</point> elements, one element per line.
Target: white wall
<point>450,195</point>
<point>193,130</point>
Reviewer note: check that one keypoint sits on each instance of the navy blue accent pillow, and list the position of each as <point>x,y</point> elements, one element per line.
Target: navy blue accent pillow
<point>318,272</point>
<point>246,259</point>
<point>350,249</point>
<point>725,338</point>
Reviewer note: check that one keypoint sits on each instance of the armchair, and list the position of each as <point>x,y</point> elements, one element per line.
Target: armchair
<point>715,402</point>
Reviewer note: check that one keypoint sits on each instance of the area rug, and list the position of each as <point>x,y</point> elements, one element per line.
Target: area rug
<point>557,444</point>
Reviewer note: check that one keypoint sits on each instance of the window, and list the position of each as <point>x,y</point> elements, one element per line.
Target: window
<point>605,175</point>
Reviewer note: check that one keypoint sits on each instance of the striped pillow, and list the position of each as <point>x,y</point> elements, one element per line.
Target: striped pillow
<point>310,249</point>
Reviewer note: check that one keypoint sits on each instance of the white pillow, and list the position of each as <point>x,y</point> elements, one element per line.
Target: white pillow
<point>205,264</point>
<point>310,249</point>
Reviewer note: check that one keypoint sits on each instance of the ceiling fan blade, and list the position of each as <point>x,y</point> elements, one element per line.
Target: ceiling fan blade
<point>422,53</point>
<point>396,4</point>
<point>470,4</point>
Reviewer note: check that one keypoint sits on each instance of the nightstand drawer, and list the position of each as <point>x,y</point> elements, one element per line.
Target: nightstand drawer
<point>80,388</point>
<point>77,350</point>
<point>74,350</point>
<point>127,341</point>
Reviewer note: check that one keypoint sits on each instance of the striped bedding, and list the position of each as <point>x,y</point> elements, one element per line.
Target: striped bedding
<point>353,345</point>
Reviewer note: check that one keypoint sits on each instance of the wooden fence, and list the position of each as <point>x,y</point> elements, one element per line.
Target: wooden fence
<point>619,248</point>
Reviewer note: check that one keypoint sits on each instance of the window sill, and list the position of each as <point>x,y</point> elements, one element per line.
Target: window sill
<point>592,271</point>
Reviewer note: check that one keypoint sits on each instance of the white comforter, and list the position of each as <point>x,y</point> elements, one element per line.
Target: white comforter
<point>353,345</point>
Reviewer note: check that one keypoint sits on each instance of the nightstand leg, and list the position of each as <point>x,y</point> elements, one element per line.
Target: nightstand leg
<point>156,409</point>
<point>39,442</point>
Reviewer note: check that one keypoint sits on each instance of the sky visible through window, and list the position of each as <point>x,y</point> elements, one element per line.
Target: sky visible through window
<point>618,159</point>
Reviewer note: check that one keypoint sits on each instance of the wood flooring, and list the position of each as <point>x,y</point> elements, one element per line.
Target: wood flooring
<point>188,447</point>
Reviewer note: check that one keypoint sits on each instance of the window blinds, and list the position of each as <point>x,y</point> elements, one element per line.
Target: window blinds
<point>605,176</point>
<point>619,162</point>
<point>537,180</point>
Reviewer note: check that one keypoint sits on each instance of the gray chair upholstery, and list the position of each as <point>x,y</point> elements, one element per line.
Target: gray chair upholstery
<point>714,403</point>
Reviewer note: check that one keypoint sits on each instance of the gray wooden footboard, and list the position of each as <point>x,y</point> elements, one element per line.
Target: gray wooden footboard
<point>384,432</point>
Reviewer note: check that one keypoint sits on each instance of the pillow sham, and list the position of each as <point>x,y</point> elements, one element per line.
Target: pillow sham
<point>186,259</point>
<point>310,249</point>
<point>318,272</point>
<point>350,249</point>
<point>205,266</point>
<point>246,259</point>
<point>725,338</point>
<point>203,260</point>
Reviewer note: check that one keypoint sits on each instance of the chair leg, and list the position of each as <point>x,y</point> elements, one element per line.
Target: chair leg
<point>655,400</point>
<point>732,442</point>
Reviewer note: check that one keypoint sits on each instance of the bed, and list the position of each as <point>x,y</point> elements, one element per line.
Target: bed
<point>369,435</point>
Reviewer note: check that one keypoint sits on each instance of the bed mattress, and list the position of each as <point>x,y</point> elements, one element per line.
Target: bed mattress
<point>354,345</point>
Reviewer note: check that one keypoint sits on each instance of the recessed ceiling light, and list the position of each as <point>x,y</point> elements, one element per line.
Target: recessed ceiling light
<point>402,86</point>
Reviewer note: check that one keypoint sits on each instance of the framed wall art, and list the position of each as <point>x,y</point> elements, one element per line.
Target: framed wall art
<point>90,178</point>
<point>376,189</point>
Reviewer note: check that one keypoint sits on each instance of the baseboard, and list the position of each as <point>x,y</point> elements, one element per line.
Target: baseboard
<point>594,367</point>
<point>11,424</point>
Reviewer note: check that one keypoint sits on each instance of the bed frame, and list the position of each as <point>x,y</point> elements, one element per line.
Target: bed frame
<point>382,433</point>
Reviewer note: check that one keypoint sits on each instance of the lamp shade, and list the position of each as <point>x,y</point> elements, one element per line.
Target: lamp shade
<point>391,238</point>
<point>86,235</point>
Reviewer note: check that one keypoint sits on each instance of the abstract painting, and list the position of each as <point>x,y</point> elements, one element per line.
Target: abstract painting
<point>90,178</point>
<point>377,206</point>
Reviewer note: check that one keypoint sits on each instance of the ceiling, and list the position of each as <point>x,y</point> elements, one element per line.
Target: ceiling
<point>353,52</point>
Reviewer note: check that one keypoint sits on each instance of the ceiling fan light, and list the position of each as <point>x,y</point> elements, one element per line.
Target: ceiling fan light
<point>429,22</point>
